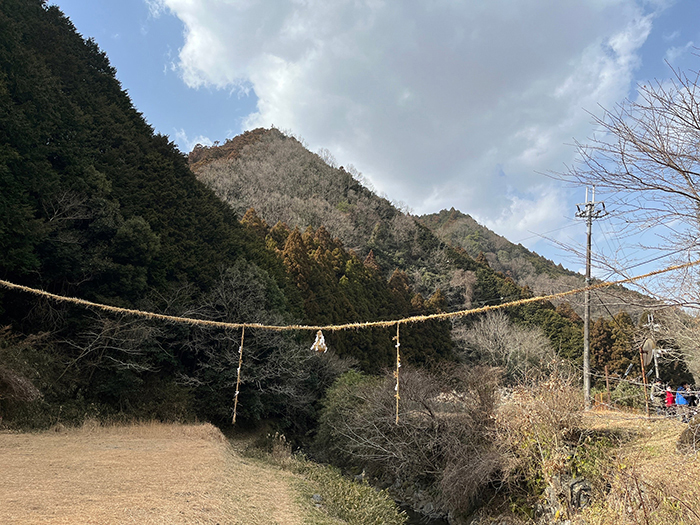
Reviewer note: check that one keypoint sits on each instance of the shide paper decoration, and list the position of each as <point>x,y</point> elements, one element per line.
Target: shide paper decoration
<point>320,343</point>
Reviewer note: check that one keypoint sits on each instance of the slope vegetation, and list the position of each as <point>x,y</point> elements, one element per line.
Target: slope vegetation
<point>515,260</point>
<point>290,187</point>
<point>528,268</point>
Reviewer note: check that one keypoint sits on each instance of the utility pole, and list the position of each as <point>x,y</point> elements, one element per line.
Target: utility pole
<point>589,212</point>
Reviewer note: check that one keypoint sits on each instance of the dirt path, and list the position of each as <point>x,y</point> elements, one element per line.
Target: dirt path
<point>145,474</point>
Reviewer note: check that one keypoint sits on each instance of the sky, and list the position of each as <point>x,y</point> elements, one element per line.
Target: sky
<point>438,103</point>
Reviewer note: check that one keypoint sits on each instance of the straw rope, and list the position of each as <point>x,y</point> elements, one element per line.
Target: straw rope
<point>338,327</point>
<point>396,374</point>
<point>238,379</point>
<point>397,322</point>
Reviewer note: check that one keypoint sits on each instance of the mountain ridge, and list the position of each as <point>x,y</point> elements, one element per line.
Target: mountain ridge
<point>297,187</point>
<point>463,230</point>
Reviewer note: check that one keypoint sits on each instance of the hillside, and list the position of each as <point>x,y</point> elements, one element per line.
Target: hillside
<point>94,202</point>
<point>284,182</point>
<point>515,260</point>
<point>288,185</point>
<point>527,268</point>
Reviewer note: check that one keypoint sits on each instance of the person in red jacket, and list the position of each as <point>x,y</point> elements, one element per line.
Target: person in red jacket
<point>670,400</point>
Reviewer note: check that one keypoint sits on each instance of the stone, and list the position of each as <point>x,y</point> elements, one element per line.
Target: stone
<point>689,440</point>
<point>565,494</point>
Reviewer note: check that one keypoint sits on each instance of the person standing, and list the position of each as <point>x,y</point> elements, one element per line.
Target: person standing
<point>681,393</point>
<point>670,398</point>
<point>682,402</point>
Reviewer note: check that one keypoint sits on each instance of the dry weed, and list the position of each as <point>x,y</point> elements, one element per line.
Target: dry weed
<point>650,483</point>
<point>147,473</point>
<point>533,426</point>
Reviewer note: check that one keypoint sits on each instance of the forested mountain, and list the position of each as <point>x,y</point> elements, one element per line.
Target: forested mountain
<point>449,252</point>
<point>93,202</point>
<point>284,182</point>
<point>529,269</point>
<point>515,260</point>
<point>289,186</point>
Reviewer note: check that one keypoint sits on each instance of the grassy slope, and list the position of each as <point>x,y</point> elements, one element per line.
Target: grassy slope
<point>650,482</point>
<point>152,473</point>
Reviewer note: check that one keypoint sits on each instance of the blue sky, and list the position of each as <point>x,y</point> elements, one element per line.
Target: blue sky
<point>438,103</point>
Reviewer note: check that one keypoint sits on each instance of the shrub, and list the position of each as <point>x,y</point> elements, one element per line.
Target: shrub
<point>354,503</point>
<point>534,426</point>
<point>626,394</point>
<point>441,444</point>
<point>523,352</point>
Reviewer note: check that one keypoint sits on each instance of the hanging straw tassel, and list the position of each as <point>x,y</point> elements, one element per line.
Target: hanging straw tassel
<point>238,380</point>
<point>396,374</point>
<point>320,343</point>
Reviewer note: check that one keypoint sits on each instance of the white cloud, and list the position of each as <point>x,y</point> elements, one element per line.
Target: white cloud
<point>671,36</point>
<point>182,138</point>
<point>155,7</point>
<point>674,53</point>
<point>438,103</point>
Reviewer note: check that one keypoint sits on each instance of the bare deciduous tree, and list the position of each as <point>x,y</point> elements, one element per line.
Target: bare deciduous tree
<point>646,161</point>
<point>523,353</point>
<point>15,385</point>
<point>677,336</point>
<point>113,343</point>
<point>441,443</point>
<point>464,281</point>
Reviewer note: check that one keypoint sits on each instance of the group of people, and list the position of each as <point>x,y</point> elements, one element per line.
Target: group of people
<point>672,402</point>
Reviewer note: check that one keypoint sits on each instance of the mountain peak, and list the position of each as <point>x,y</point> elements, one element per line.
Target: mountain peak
<point>231,149</point>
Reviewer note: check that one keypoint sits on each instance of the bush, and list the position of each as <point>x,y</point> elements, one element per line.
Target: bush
<point>534,426</point>
<point>625,394</point>
<point>523,353</point>
<point>441,444</point>
<point>354,503</point>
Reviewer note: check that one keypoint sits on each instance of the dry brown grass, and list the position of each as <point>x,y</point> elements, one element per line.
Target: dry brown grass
<point>145,473</point>
<point>651,482</point>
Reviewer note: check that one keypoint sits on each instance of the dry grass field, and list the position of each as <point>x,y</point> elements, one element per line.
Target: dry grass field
<point>146,474</point>
<point>651,482</point>
<point>156,473</point>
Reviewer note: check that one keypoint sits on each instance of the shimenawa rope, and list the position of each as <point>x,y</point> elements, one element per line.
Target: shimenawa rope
<point>339,327</point>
